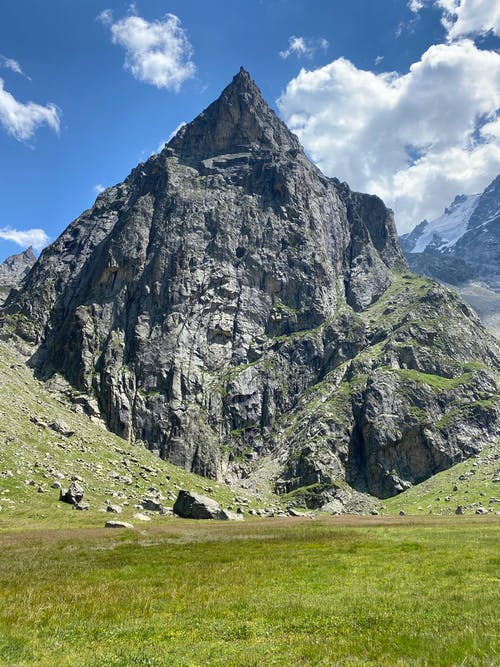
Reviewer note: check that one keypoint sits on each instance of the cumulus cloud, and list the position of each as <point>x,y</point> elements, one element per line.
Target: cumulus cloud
<point>34,237</point>
<point>464,17</point>
<point>99,188</point>
<point>302,47</point>
<point>415,139</point>
<point>22,120</point>
<point>469,17</point>
<point>156,52</point>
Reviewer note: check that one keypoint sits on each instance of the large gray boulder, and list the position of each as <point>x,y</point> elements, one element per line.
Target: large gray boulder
<point>73,494</point>
<point>191,505</point>
<point>118,524</point>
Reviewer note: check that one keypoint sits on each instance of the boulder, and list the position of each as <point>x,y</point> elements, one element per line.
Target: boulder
<point>227,515</point>
<point>115,509</point>
<point>294,512</point>
<point>191,505</point>
<point>117,524</point>
<point>152,505</point>
<point>81,506</point>
<point>61,427</point>
<point>73,495</point>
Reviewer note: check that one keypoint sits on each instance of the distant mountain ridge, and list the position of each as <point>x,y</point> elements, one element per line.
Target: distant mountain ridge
<point>461,245</point>
<point>461,248</point>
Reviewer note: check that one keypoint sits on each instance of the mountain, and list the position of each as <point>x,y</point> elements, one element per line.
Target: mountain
<point>14,269</point>
<point>462,248</point>
<point>250,319</point>
<point>461,244</point>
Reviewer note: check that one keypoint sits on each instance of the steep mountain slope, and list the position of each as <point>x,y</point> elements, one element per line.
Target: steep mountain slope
<point>14,269</point>
<point>248,317</point>
<point>35,455</point>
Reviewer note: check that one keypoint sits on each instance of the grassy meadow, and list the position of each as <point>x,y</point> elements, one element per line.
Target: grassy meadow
<point>325,591</point>
<point>381,590</point>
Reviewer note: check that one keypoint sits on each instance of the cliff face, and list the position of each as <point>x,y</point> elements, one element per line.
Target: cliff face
<point>229,305</point>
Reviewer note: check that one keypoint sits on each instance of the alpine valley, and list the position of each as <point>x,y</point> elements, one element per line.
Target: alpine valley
<point>255,322</point>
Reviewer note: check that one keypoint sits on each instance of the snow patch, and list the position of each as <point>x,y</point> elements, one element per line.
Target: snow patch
<point>450,226</point>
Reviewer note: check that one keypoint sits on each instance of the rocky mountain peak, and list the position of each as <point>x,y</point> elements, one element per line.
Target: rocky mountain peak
<point>248,318</point>
<point>239,121</point>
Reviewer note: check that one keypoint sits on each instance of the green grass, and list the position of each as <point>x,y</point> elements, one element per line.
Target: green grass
<point>469,484</point>
<point>435,381</point>
<point>283,592</point>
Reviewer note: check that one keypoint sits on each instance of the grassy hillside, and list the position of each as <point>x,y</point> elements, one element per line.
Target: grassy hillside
<point>473,484</point>
<point>33,456</point>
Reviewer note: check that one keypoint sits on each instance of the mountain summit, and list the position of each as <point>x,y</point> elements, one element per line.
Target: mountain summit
<point>239,121</point>
<point>252,320</point>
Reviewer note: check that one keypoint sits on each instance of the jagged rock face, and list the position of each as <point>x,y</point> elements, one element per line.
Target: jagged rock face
<point>13,271</point>
<point>228,304</point>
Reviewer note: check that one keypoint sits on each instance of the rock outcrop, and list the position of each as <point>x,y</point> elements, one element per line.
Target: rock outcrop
<point>229,305</point>
<point>13,271</point>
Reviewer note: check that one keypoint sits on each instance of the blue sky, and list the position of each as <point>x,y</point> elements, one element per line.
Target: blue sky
<point>398,97</point>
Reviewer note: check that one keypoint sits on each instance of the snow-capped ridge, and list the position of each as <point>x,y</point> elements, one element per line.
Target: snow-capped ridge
<point>443,232</point>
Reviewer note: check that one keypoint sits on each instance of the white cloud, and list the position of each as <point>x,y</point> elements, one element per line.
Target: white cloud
<point>157,52</point>
<point>99,188</point>
<point>302,47</point>
<point>22,120</point>
<point>415,6</point>
<point>34,237</point>
<point>105,17</point>
<point>416,139</point>
<point>378,60</point>
<point>470,17</point>
<point>13,65</point>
